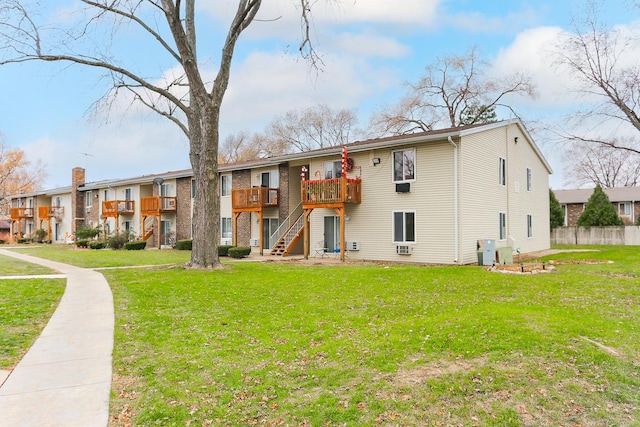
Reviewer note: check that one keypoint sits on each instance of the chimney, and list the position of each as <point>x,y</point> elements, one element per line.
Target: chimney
<point>77,198</point>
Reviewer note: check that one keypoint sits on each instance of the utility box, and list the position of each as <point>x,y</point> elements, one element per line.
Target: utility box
<point>488,252</point>
<point>504,255</point>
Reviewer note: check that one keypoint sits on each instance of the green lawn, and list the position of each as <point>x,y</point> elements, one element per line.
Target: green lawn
<point>358,345</point>
<point>286,344</point>
<point>13,267</point>
<point>25,308</point>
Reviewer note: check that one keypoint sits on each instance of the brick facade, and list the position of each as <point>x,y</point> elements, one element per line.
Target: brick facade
<point>78,203</point>
<point>573,212</point>
<point>242,179</point>
<point>183,203</point>
<point>283,197</point>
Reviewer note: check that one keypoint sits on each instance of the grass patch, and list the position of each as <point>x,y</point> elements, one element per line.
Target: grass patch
<point>14,267</point>
<point>88,258</point>
<point>285,344</point>
<point>25,308</point>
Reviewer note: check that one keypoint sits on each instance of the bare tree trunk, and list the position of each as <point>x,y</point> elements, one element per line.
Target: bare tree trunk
<point>204,137</point>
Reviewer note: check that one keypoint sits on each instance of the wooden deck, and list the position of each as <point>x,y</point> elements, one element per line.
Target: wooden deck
<point>114,208</point>
<point>254,199</point>
<point>331,192</point>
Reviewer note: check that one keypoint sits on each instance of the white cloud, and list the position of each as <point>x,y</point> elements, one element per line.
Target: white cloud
<point>371,45</point>
<point>531,53</point>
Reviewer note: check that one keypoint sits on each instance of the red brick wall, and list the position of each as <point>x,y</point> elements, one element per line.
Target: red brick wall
<point>242,179</point>
<point>183,211</point>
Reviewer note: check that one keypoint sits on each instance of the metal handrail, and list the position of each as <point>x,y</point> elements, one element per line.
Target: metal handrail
<point>293,216</point>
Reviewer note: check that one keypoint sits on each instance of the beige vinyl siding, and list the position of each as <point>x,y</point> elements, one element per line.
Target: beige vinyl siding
<point>482,198</point>
<point>371,222</point>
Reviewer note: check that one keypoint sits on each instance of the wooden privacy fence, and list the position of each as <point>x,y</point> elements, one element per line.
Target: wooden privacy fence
<point>622,235</point>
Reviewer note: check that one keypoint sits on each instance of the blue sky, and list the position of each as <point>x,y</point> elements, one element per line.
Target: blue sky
<point>370,48</point>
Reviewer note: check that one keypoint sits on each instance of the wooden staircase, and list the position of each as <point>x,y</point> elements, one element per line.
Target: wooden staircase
<point>289,239</point>
<point>148,228</point>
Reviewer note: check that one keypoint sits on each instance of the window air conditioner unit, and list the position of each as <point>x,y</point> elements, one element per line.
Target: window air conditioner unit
<point>353,246</point>
<point>404,187</point>
<point>253,243</point>
<point>88,209</point>
<point>225,242</point>
<point>404,250</point>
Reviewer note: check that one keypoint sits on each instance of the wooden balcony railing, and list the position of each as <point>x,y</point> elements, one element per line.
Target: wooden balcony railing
<point>331,191</point>
<point>18,213</point>
<point>254,198</point>
<point>113,208</point>
<point>50,211</point>
<point>156,205</point>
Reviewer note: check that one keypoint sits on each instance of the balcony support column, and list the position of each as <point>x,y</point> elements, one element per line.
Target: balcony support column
<point>340,212</point>
<point>260,226</point>
<point>306,239</point>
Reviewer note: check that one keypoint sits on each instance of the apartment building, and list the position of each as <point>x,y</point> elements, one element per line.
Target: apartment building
<point>425,197</point>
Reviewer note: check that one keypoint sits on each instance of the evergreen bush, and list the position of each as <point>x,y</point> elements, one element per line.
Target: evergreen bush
<point>184,245</point>
<point>223,250</point>
<point>97,244</point>
<point>599,211</point>
<point>82,243</point>
<point>239,251</point>
<point>135,245</point>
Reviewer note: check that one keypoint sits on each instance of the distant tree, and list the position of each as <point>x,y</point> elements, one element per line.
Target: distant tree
<point>478,114</point>
<point>599,211</point>
<point>17,175</point>
<point>601,165</point>
<point>238,148</point>
<point>312,128</point>
<point>456,90</point>
<point>556,214</point>
<point>188,97</point>
<point>606,63</point>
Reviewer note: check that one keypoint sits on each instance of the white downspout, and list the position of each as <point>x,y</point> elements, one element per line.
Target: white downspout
<point>456,224</point>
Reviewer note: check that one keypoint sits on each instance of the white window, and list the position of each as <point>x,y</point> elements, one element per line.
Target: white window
<point>165,190</point>
<point>107,193</point>
<point>128,194</point>
<point>58,202</point>
<point>404,227</point>
<point>528,179</point>
<point>269,179</point>
<point>502,171</point>
<point>404,165</point>
<point>88,199</point>
<point>332,170</point>
<point>503,225</point>
<point>625,209</point>
<point>529,226</point>
<point>225,185</point>
<point>227,228</point>
<point>193,188</point>
<point>565,212</point>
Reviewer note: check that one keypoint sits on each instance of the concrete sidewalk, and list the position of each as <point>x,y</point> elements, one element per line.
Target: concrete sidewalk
<point>65,378</point>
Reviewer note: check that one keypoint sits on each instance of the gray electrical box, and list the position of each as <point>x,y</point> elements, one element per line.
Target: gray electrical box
<point>488,252</point>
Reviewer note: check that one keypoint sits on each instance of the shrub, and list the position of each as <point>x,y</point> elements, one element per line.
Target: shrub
<point>24,240</point>
<point>86,233</point>
<point>2,242</point>
<point>184,245</point>
<point>118,240</point>
<point>599,211</point>
<point>239,251</point>
<point>82,243</point>
<point>97,244</point>
<point>136,245</point>
<point>223,250</point>
<point>39,235</point>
